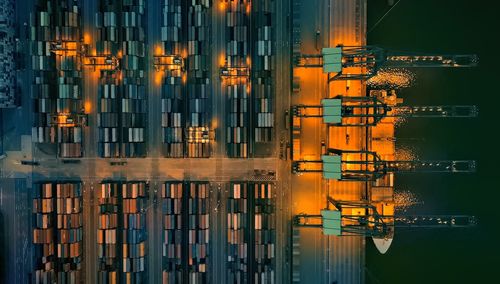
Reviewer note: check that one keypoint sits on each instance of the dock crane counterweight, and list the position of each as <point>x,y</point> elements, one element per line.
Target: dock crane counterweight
<point>371,58</point>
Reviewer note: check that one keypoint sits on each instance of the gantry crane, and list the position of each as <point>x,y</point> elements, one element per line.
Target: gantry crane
<point>162,62</point>
<point>363,165</point>
<point>68,119</point>
<point>102,62</point>
<point>361,218</point>
<point>234,71</point>
<point>370,110</point>
<point>77,48</point>
<point>371,58</point>
<point>66,48</point>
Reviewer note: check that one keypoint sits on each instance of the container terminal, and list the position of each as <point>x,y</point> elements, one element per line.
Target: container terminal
<point>204,141</point>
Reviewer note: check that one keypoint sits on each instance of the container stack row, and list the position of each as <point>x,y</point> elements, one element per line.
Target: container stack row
<point>172,100</point>
<point>122,92</point>
<point>264,233</point>
<point>237,233</point>
<point>57,233</point>
<point>198,233</point>
<point>198,78</point>
<point>8,56</point>
<point>237,89</point>
<point>109,88</point>
<point>134,100</point>
<point>172,221</point>
<point>262,64</point>
<point>121,233</point>
<point>185,232</point>
<point>134,237</point>
<point>108,252</point>
<point>56,63</point>
<point>108,118</point>
<point>251,233</point>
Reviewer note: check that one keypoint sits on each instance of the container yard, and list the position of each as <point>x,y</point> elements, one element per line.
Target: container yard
<point>56,62</point>
<point>263,74</point>
<point>235,141</point>
<point>198,79</point>
<point>170,64</point>
<point>122,91</point>
<point>9,56</point>
<point>108,254</point>
<point>235,77</point>
<point>237,238</point>
<point>186,232</point>
<point>251,233</point>
<point>172,244</point>
<point>121,233</point>
<point>57,233</point>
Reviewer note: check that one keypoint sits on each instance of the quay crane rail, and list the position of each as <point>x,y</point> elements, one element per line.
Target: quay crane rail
<point>371,111</point>
<point>368,222</point>
<point>368,166</point>
<point>371,58</point>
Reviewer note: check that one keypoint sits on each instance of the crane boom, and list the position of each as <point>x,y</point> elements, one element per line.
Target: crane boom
<point>417,61</point>
<point>449,166</point>
<point>434,111</point>
<point>433,221</point>
<point>371,58</point>
<point>370,223</point>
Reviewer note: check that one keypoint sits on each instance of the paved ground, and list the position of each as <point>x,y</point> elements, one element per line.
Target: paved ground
<point>327,259</point>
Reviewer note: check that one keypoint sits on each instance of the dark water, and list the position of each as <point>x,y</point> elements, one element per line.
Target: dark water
<point>447,256</point>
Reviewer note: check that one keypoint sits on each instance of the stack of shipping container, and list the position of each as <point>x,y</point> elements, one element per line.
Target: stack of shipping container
<point>108,117</point>
<point>237,233</point>
<point>185,232</point>
<point>172,193</point>
<point>262,66</point>
<point>251,233</point>
<point>8,57</point>
<point>198,77</point>
<point>134,204</point>
<point>57,233</point>
<point>123,102</point>
<point>264,233</point>
<point>121,234</point>
<point>56,63</point>
<point>109,90</point>
<point>172,106</point>
<point>108,253</point>
<point>237,89</point>
<point>198,240</point>
<point>134,101</point>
